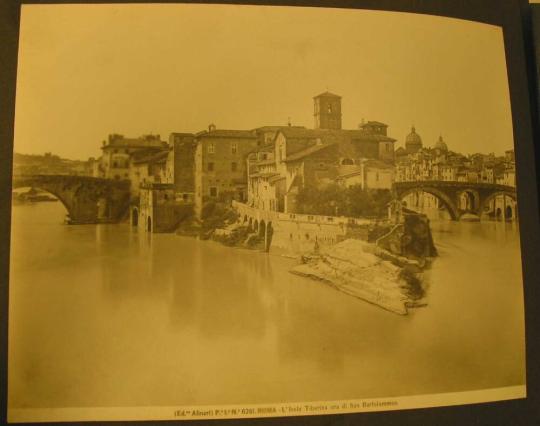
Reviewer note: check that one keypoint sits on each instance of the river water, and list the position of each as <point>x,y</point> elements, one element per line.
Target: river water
<point>103,315</point>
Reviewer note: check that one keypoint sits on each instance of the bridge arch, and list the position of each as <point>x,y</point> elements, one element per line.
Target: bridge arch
<point>468,200</point>
<point>496,194</point>
<point>135,216</point>
<point>262,228</point>
<point>63,199</point>
<point>269,234</point>
<point>446,201</point>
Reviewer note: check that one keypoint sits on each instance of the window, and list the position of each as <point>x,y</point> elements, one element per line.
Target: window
<point>210,167</point>
<point>234,167</point>
<point>115,164</point>
<point>234,148</point>
<point>264,156</point>
<point>329,108</point>
<point>211,148</point>
<point>185,197</point>
<point>213,191</point>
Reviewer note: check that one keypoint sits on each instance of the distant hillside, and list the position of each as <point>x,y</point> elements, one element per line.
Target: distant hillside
<point>48,164</point>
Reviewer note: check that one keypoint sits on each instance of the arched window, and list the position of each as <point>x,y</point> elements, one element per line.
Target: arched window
<point>347,162</point>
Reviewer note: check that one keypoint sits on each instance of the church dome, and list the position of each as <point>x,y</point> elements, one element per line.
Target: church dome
<point>413,141</point>
<point>441,145</point>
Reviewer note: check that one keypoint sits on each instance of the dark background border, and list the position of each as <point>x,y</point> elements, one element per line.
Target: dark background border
<point>515,18</point>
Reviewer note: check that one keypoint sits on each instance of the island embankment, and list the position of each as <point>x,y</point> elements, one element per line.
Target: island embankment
<point>378,261</point>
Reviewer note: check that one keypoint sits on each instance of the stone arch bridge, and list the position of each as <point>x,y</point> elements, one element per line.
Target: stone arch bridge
<point>478,195</point>
<point>87,199</point>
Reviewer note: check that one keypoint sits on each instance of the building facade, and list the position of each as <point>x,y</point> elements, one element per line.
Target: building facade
<point>220,165</point>
<point>117,151</point>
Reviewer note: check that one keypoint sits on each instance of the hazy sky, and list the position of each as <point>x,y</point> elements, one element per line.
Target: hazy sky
<point>89,70</point>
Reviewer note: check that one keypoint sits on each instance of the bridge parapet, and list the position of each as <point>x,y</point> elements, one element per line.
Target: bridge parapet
<point>454,184</point>
<point>252,212</point>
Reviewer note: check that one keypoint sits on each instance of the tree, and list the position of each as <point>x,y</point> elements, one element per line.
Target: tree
<point>335,200</point>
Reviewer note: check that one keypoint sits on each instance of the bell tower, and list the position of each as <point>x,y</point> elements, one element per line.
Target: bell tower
<point>327,111</point>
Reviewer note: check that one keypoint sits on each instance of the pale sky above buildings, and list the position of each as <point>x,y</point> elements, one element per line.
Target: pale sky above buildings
<point>89,70</point>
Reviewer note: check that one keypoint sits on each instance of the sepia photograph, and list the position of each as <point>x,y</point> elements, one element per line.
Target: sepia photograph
<point>235,211</point>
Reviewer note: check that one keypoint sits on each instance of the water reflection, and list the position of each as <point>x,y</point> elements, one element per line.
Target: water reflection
<point>107,315</point>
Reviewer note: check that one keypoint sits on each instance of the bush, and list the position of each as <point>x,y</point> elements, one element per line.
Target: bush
<point>334,200</point>
<point>217,215</point>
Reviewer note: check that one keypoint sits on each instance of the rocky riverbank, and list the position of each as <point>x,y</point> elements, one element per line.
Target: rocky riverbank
<point>368,272</point>
<point>220,223</point>
<point>388,272</point>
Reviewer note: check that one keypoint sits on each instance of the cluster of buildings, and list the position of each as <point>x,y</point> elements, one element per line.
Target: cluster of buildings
<point>414,162</point>
<point>266,167</point>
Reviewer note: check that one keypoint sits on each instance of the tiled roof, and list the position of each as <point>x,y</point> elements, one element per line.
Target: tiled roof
<point>263,174</point>
<point>336,135</point>
<point>275,128</point>
<point>264,162</point>
<point>327,93</point>
<point>373,123</point>
<point>276,178</point>
<point>135,142</point>
<point>181,134</point>
<point>307,152</point>
<point>152,158</point>
<point>264,148</point>
<point>350,173</point>
<point>225,133</point>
